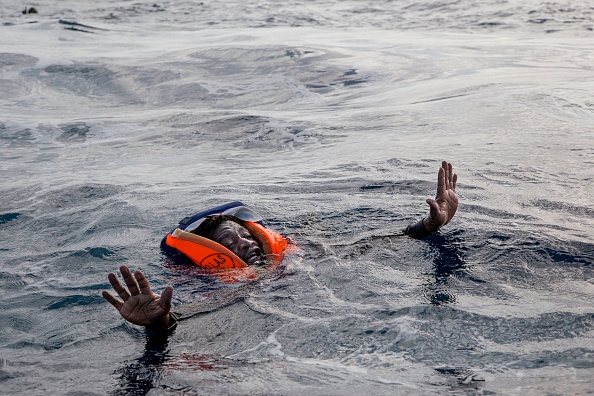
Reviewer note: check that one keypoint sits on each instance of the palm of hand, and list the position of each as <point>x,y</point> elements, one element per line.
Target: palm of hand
<point>447,205</point>
<point>143,309</point>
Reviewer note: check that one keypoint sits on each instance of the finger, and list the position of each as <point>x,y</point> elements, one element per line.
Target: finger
<point>434,212</point>
<point>117,286</point>
<point>165,301</point>
<point>145,288</point>
<point>112,300</point>
<point>433,205</point>
<point>454,180</point>
<point>130,281</point>
<point>444,166</point>
<point>450,176</point>
<point>441,187</point>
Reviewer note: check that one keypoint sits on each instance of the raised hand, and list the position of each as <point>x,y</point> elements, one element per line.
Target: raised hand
<point>140,305</point>
<point>445,204</point>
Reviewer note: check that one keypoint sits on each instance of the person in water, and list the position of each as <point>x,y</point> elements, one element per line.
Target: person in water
<point>142,307</point>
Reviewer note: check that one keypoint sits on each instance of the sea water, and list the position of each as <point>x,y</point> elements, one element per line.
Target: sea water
<point>329,118</point>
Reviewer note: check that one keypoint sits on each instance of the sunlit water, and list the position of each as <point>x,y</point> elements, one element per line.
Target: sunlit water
<point>330,119</point>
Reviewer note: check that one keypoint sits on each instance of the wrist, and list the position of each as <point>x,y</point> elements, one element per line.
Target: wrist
<point>165,321</point>
<point>158,331</point>
<point>419,229</point>
<point>430,225</point>
<point>162,323</point>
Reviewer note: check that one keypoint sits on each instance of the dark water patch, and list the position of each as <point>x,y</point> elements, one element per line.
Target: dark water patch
<point>100,252</point>
<point>75,132</point>
<point>8,217</point>
<point>371,187</point>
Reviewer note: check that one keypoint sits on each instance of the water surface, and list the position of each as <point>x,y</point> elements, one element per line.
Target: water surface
<point>330,119</point>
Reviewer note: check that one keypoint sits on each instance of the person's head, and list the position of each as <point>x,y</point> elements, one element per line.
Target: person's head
<point>227,231</point>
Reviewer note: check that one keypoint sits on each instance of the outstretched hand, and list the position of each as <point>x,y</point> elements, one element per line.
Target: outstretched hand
<point>140,306</point>
<point>445,204</point>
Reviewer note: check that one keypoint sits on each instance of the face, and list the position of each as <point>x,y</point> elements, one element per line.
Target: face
<point>238,239</point>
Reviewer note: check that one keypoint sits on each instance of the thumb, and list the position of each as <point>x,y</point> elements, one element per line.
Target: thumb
<point>432,204</point>
<point>166,296</point>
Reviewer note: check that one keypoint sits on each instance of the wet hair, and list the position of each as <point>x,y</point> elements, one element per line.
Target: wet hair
<point>211,223</point>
